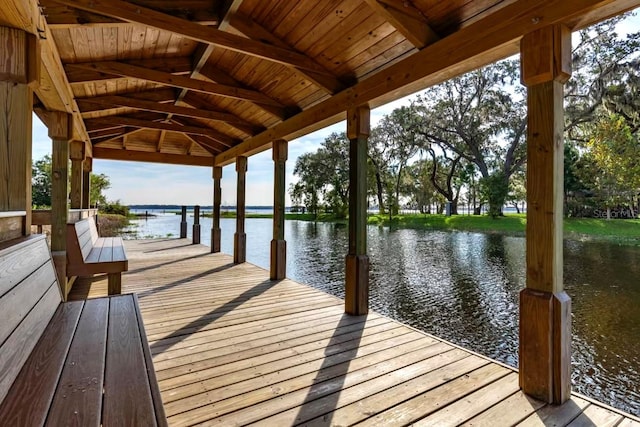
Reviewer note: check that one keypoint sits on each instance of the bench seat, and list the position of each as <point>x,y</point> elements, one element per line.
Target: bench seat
<point>89,254</point>
<point>83,363</point>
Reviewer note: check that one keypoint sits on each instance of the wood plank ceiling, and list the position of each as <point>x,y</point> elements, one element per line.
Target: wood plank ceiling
<point>185,81</point>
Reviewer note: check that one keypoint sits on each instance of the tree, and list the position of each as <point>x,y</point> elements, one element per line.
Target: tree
<point>480,117</point>
<point>41,182</point>
<point>99,183</point>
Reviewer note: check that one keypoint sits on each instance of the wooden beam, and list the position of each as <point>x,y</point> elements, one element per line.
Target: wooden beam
<point>114,121</point>
<point>545,309</point>
<point>77,156</point>
<point>196,100</point>
<point>126,132</point>
<point>278,265</point>
<point>114,101</point>
<point>176,66</point>
<point>18,64</point>
<point>65,17</point>
<point>485,41</point>
<point>211,146</point>
<point>214,138</point>
<point>150,157</point>
<point>133,13</point>
<point>87,166</point>
<point>240,237</point>
<point>356,298</point>
<point>136,72</point>
<point>216,232</point>
<point>408,20</point>
<point>251,29</point>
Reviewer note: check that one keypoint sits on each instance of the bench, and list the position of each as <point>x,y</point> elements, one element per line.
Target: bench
<point>89,254</point>
<point>84,363</point>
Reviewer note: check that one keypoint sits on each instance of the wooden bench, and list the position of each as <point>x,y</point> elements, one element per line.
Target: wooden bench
<point>89,254</point>
<point>84,363</point>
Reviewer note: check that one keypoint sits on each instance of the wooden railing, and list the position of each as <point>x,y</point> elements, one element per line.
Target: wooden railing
<point>42,217</point>
<point>12,224</point>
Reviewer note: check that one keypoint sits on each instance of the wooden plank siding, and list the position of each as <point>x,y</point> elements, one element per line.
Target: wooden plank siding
<point>232,347</point>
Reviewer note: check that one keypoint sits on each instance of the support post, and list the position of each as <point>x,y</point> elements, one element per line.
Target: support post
<point>60,132</point>
<point>216,233</point>
<point>545,309</point>
<point>183,223</point>
<point>240,238</point>
<point>87,166</point>
<point>77,156</point>
<point>195,235</point>
<point>278,264</point>
<point>19,74</point>
<point>357,262</point>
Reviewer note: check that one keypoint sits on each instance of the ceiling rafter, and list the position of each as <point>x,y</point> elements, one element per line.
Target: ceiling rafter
<point>211,146</point>
<point>177,66</point>
<point>151,156</point>
<point>137,72</point>
<point>408,20</point>
<point>251,29</point>
<point>151,18</point>
<point>119,121</point>
<point>115,101</point>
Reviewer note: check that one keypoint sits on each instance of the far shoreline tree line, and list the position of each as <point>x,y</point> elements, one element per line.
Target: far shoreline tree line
<point>463,142</point>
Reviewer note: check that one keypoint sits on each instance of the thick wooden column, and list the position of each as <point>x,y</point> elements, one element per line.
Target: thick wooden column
<point>183,223</point>
<point>60,132</point>
<point>19,73</point>
<point>195,235</point>
<point>87,166</point>
<point>278,244</point>
<point>357,262</point>
<point>240,238</point>
<point>217,200</point>
<point>77,156</point>
<point>545,309</point>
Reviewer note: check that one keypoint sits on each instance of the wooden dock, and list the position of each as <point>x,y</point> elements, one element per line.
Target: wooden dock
<point>231,347</point>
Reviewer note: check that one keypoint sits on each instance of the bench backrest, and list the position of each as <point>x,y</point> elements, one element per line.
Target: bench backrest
<point>29,296</point>
<point>80,239</point>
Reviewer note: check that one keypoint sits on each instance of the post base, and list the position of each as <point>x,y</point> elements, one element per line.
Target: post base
<point>239,248</point>
<point>216,235</point>
<point>545,345</point>
<point>278,270</point>
<point>356,298</point>
<point>195,237</point>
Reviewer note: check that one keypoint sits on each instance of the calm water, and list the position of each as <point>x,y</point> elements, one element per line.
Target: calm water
<point>464,287</point>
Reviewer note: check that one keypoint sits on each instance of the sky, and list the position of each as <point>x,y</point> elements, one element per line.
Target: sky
<point>152,183</point>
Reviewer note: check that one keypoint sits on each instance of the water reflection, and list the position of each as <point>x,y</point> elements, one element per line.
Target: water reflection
<point>464,287</point>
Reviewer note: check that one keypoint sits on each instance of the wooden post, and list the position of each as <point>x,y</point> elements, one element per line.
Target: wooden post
<point>19,74</point>
<point>216,233</point>
<point>240,238</point>
<point>195,235</point>
<point>183,223</point>
<point>87,166</point>
<point>357,262</point>
<point>545,309</point>
<point>278,264</point>
<point>60,132</point>
<point>77,156</point>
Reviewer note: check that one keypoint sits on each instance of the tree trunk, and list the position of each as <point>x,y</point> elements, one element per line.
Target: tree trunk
<point>379,192</point>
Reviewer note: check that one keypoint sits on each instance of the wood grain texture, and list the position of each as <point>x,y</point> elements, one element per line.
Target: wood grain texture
<point>19,259</point>
<point>127,397</point>
<point>31,394</point>
<point>78,398</point>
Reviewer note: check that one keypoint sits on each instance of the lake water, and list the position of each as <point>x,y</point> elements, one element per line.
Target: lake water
<point>464,287</point>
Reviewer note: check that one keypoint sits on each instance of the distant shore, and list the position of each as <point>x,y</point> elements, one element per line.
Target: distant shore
<point>619,231</point>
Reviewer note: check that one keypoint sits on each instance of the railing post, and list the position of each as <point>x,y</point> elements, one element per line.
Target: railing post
<point>357,262</point>
<point>217,199</point>
<point>240,238</point>
<point>87,166</point>
<point>183,223</point>
<point>278,264</point>
<point>545,309</point>
<point>77,156</point>
<point>196,225</point>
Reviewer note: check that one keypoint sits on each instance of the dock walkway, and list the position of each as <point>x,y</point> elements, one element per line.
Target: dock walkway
<point>231,347</point>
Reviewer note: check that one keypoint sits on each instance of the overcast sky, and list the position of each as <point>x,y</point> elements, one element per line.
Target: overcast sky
<point>151,183</point>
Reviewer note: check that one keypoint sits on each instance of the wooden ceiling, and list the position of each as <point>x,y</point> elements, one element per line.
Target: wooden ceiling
<point>202,81</point>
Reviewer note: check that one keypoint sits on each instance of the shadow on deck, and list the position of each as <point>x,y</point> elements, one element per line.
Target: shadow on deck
<point>231,347</point>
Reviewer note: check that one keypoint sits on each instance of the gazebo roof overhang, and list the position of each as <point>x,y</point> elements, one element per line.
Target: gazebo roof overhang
<point>204,81</point>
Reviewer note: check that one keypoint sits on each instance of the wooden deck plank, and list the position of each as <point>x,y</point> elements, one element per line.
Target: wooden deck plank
<point>596,416</point>
<point>231,347</point>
